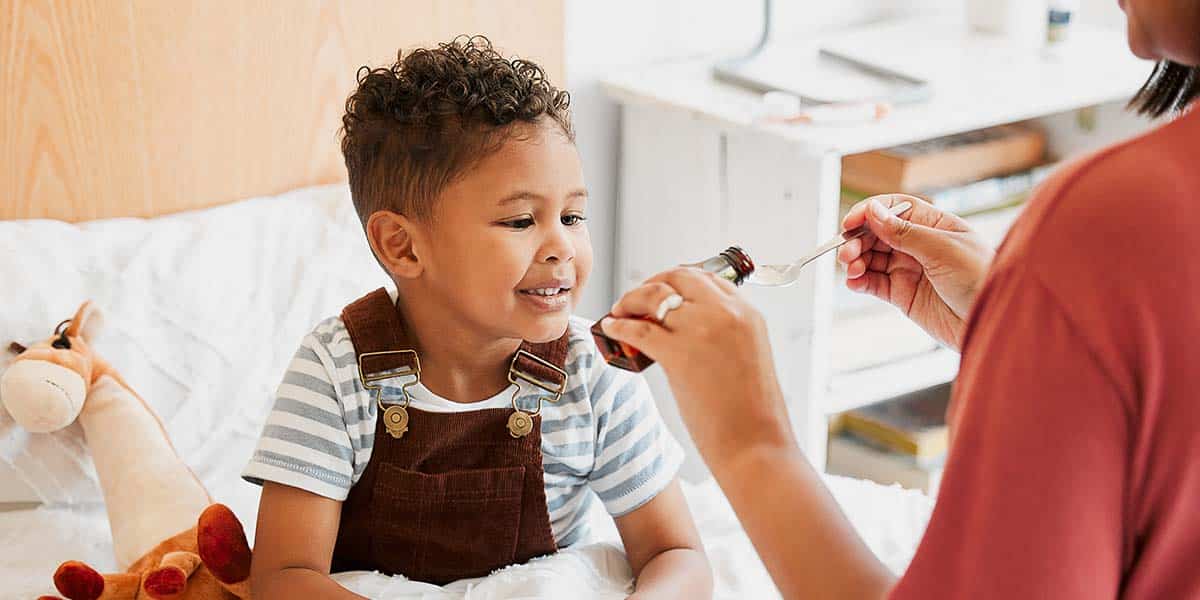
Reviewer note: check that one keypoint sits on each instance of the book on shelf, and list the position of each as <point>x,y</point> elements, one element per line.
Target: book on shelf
<point>850,457</point>
<point>976,197</point>
<point>946,161</point>
<point>913,424</point>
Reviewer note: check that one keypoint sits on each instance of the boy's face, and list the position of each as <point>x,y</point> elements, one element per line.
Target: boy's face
<point>508,250</point>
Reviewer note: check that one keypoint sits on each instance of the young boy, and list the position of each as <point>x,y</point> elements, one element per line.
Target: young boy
<point>464,421</point>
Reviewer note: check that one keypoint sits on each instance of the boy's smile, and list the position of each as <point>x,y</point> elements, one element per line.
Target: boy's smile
<point>550,295</point>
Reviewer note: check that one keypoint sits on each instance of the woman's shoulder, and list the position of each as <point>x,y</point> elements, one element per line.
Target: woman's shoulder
<point>1125,198</point>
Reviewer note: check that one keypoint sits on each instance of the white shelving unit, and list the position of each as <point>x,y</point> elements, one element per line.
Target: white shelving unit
<point>699,173</point>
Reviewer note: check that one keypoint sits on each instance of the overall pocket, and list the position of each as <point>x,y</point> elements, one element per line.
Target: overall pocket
<point>446,526</point>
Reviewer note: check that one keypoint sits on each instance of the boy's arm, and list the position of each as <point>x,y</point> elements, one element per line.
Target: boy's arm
<point>664,548</point>
<point>293,545</point>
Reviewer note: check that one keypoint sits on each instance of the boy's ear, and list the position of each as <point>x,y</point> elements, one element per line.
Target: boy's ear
<point>392,240</point>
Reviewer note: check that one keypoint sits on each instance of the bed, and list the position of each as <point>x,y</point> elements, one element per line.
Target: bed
<point>204,309</point>
<point>211,266</point>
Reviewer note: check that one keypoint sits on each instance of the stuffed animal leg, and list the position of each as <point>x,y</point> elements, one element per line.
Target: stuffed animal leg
<point>217,568</point>
<point>173,541</point>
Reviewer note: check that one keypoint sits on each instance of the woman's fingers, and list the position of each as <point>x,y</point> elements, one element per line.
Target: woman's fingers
<point>850,251</point>
<point>693,284</point>
<point>689,283</point>
<point>651,337</point>
<point>875,284</point>
<point>643,300</point>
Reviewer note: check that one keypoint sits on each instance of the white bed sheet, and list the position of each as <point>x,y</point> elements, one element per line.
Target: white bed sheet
<point>204,311</point>
<point>33,542</point>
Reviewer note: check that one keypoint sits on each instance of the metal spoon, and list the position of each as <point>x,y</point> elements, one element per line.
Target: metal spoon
<point>784,275</point>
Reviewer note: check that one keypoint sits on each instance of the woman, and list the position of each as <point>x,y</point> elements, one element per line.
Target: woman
<point>1074,469</point>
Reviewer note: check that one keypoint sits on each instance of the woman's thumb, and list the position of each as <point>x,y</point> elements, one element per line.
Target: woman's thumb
<point>917,240</point>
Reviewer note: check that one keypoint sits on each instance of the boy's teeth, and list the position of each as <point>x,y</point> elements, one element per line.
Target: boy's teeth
<point>544,291</point>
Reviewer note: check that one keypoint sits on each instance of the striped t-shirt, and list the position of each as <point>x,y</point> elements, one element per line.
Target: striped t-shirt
<point>603,438</point>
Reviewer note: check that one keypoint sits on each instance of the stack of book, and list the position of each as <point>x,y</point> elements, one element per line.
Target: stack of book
<point>964,173</point>
<point>903,440</point>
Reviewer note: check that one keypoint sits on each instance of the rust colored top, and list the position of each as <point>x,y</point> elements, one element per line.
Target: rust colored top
<point>1074,470</point>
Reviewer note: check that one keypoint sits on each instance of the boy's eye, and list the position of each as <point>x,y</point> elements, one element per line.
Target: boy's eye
<point>570,220</point>
<point>522,223</point>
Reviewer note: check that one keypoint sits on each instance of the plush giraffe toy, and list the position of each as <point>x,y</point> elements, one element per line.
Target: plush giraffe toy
<point>172,541</point>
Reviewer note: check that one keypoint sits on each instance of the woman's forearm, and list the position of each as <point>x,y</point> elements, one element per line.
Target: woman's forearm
<point>298,582</point>
<point>807,544</point>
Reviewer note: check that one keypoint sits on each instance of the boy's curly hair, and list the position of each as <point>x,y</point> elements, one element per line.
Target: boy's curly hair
<point>411,128</point>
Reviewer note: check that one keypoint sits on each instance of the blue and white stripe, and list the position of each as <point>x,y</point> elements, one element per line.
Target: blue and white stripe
<point>604,439</point>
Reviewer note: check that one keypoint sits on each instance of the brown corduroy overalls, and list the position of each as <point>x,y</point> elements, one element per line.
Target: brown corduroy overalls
<point>459,494</point>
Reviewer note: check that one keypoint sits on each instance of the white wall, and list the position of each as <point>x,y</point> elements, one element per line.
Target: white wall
<point>606,36</point>
<point>603,37</point>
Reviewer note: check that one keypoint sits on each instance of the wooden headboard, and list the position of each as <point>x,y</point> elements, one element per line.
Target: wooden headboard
<point>142,107</point>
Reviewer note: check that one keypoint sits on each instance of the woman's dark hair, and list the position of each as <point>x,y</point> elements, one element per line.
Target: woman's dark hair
<point>409,129</point>
<point>1171,87</point>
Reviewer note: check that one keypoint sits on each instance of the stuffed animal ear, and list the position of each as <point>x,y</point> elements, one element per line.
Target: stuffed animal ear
<point>87,322</point>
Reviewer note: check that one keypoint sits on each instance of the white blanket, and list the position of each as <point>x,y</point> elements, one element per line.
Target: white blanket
<point>205,309</point>
<point>891,520</point>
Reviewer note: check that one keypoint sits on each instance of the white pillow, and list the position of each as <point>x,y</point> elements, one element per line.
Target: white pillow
<point>203,312</point>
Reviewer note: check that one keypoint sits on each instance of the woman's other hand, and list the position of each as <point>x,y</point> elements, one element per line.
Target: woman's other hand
<point>928,263</point>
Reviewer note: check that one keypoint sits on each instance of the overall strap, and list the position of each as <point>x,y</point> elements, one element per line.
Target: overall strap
<point>374,324</point>
<point>381,342</point>
<point>384,350</point>
<point>545,368</point>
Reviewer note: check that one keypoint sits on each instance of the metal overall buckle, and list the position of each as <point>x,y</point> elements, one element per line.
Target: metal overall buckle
<point>395,417</point>
<point>520,423</point>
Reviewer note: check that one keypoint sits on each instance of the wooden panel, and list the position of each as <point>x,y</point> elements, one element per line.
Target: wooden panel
<point>141,107</point>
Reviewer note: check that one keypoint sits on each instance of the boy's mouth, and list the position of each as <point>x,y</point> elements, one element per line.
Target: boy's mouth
<point>554,291</point>
<point>547,296</point>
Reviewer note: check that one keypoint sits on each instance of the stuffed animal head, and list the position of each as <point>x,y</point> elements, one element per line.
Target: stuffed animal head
<point>45,385</point>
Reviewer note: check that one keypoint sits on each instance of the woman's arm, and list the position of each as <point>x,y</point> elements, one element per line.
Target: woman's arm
<point>804,540</point>
<point>293,545</point>
<point>664,548</point>
<point>1033,500</point>
<point>715,353</point>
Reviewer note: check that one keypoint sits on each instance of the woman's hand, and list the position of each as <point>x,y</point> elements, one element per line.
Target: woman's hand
<point>928,264</point>
<point>716,355</point>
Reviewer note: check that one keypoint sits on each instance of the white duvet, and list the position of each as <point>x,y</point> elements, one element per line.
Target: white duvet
<point>33,542</point>
<point>204,311</point>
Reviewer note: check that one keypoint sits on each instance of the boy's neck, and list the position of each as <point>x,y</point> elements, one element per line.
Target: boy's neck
<point>458,363</point>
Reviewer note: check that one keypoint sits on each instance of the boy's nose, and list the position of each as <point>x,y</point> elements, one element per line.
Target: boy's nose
<point>558,248</point>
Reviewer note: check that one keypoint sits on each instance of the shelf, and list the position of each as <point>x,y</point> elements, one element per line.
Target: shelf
<point>978,81</point>
<point>853,389</point>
